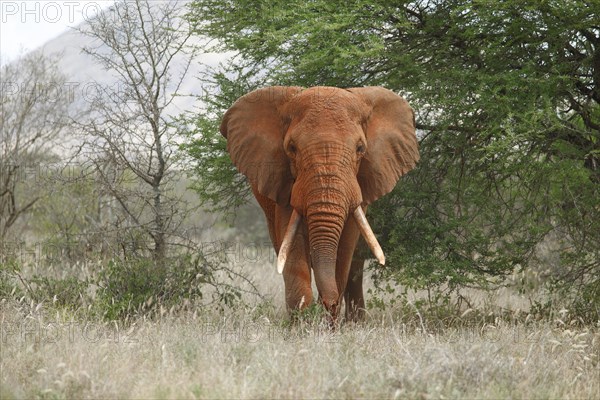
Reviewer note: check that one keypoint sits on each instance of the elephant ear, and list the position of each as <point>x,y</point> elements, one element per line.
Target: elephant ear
<point>254,127</point>
<point>392,148</point>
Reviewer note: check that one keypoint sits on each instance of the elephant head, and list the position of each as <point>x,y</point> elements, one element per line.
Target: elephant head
<point>326,153</point>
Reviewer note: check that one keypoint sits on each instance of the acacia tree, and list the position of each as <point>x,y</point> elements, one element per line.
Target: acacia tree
<point>507,103</point>
<point>129,137</point>
<point>34,100</point>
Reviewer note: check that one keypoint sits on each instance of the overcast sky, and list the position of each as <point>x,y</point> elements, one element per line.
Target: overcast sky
<point>26,25</point>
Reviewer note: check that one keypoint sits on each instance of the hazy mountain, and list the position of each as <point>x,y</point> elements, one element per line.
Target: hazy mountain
<point>84,74</point>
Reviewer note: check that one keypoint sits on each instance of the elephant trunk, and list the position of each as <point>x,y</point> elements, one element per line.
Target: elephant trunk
<point>325,222</point>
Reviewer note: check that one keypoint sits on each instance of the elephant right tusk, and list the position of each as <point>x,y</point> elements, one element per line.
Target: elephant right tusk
<point>368,234</point>
<point>288,238</point>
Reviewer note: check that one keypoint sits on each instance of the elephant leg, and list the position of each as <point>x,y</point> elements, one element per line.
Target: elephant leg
<point>353,296</point>
<point>347,244</point>
<point>296,273</point>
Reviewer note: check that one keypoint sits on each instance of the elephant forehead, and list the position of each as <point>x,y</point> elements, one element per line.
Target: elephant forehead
<point>328,102</point>
<point>321,121</point>
<point>324,128</point>
<point>324,93</point>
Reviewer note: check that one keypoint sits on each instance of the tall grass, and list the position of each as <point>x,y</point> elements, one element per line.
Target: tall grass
<point>497,346</point>
<point>254,352</point>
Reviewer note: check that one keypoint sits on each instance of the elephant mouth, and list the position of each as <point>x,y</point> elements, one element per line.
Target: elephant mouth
<point>359,217</point>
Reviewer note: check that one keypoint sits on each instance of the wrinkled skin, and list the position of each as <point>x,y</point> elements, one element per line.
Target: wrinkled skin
<point>322,152</point>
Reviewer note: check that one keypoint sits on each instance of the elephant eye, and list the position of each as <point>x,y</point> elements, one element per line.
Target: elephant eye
<point>292,149</point>
<point>360,148</point>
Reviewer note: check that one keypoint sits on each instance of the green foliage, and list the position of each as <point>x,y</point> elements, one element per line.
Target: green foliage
<point>507,102</point>
<point>209,162</point>
<point>69,292</point>
<point>313,315</point>
<point>9,286</point>
<point>215,179</point>
<point>124,289</point>
<point>139,286</point>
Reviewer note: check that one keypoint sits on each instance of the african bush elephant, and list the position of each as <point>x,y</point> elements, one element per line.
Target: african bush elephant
<point>315,159</point>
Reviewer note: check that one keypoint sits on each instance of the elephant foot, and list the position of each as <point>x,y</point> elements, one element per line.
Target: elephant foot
<point>353,296</point>
<point>298,300</point>
<point>355,312</point>
<point>332,310</point>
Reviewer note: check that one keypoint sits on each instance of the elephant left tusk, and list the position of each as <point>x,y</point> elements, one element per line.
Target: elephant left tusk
<point>368,234</point>
<point>288,238</point>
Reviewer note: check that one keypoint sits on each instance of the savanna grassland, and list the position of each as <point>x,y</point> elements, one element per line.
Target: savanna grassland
<point>253,351</point>
<point>111,285</point>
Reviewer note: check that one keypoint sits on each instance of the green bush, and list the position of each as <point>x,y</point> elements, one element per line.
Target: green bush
<point>69,292</point>
<point>9,284</point>
<point>139,286</point>
<point>123,289</point>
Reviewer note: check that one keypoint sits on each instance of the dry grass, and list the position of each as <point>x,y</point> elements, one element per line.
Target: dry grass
<point>256,355</point>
